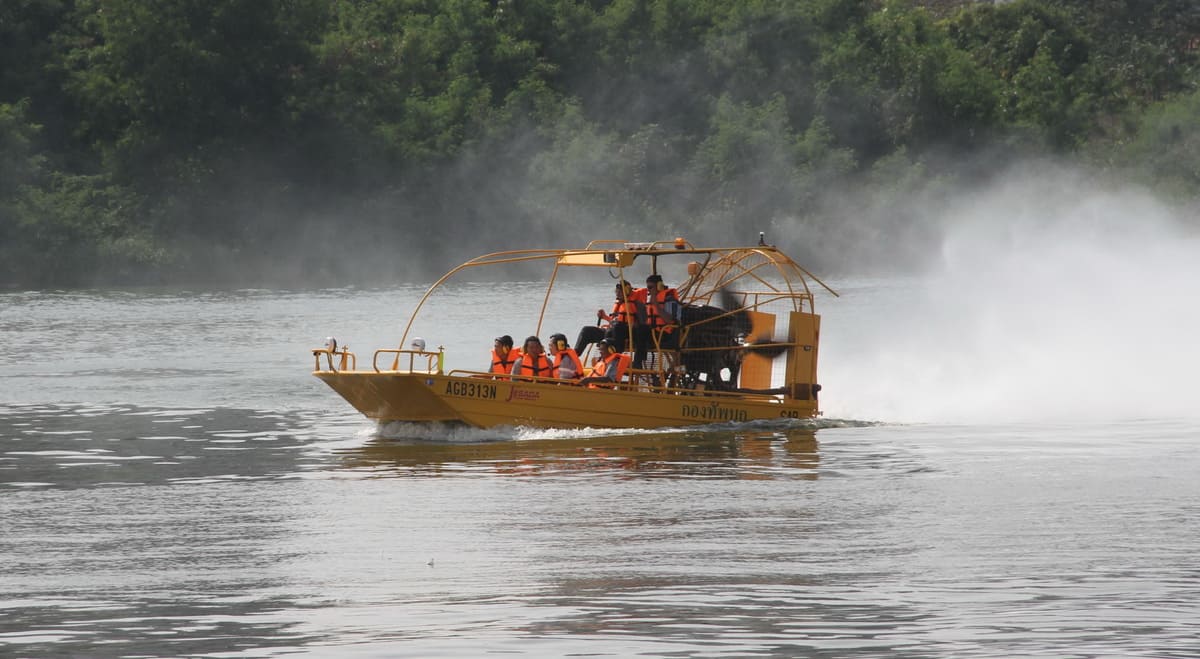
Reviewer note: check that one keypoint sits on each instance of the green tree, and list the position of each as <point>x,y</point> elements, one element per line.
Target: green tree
<point>759,49</point>
<point>1164,153</point>
<point>20,167</point>
<point>1049,82</point>
<point>418,79</point>
<point>57,229</point>
<point>1146,49</point>
<point>30,50</point>
<point>933,91</point>
<point>182,98</point>
<point>169,76</point>
<point>755,165</point>
<point>897,80</point>
<point>589,176</point>
<point>140,135</point>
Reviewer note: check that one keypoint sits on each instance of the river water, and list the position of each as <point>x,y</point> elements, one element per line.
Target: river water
<point>173,482</point>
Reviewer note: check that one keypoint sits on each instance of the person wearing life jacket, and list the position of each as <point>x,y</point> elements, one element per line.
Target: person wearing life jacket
<point>612,366</point>
<point>662,305</point>
<point>503,355</point>
<point>566,361</point>
<point>533,361</point>
<point>627,312</point>
<point>662,318</point>
<point>595,368</point>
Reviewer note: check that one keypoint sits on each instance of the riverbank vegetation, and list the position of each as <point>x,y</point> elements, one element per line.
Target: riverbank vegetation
<point>300,142</point>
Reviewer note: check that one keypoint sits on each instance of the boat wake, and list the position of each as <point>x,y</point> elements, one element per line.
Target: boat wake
<point>458,433</point>
<point>449,432</point>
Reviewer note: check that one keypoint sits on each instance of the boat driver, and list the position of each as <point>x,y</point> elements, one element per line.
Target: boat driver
<point>626,313</point>
<point>662,318</point>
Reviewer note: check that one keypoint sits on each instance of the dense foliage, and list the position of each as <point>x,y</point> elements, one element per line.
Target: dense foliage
<point>300,141</point>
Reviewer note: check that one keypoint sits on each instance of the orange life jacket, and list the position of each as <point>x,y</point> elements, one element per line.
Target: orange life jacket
<point>624,311</point>
<point>504,365</point>
<point>654,309</point>
<point>567,353</point>
<point>536,365</point>
<point>623,360</point>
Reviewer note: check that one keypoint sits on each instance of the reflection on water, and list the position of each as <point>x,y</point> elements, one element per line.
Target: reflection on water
<point>149,570</point>
<point>147,627</point>
<point>214,531</point>
<point>745,454</point>
<point>781,616</point>
<point>130,531</point>
<point>74,446</point>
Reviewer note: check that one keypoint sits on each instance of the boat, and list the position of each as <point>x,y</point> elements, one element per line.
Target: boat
<point>744,349</point>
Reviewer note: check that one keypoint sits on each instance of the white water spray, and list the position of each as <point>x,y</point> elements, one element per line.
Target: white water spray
<point>1050,300</point>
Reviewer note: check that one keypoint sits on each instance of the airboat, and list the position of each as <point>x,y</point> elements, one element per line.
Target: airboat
<point>745,349</point>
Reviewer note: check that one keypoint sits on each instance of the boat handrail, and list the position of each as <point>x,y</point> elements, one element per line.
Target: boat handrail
<point>347,358</point>
<point>748,346</point>
<point>433,360</point>
<point>689,394</point>
<point>508,377</point>
<point>629,384</point>
<point>675,244</point>
<point>754,300</point>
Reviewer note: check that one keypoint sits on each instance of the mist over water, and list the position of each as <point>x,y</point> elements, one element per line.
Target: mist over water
<point>1051,297</point>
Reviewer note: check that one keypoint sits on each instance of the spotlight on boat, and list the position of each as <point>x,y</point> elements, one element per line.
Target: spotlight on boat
<point>331,344</point>
<point>680,243</point>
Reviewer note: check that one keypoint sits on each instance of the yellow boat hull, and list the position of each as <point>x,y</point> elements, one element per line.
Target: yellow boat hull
<point>484,402</point>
